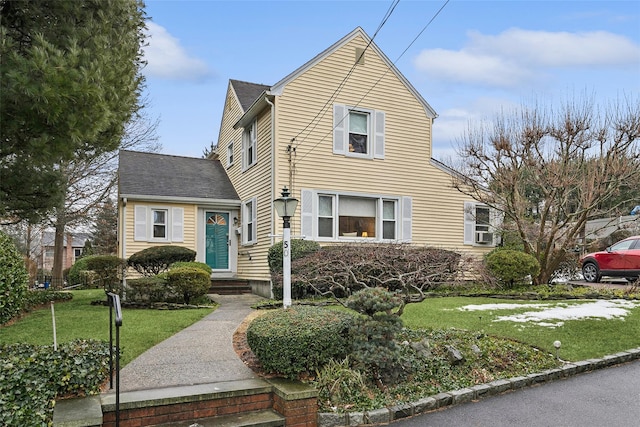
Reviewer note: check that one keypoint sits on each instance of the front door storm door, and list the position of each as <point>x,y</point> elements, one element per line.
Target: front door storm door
<point>217,240</point>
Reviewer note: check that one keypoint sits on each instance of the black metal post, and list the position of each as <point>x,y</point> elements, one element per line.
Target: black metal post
<point>114,304</point>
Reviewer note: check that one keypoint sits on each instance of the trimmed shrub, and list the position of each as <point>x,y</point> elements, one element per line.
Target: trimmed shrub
<point>511,267</point>
<point>157,259</point>
<point>37,298</point>
<point>149,289</point>
<point>190,282</point>
<point>14,280</point>
<point>108,270</point>
<point>299,249</point>
<point>300,339</point>
<point>195,264</point>
<point>34,376</point>
<point>79,273</point>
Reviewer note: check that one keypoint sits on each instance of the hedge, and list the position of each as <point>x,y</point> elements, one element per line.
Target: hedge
<point>300,339</point>
<point>14,280</point>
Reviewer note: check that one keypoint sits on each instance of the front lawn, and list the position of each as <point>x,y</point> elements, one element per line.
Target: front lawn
<point>141,328</point>
<point>586,328</point>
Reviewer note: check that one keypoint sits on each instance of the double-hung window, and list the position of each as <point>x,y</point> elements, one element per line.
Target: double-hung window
<point>358,132</point>
<point>336,217</point>
<point>158,224</point>
<point>230,154</point>
<point>249,220</point>
<point>159,218</point>
<point>250,145</point>
<point>478,228</point>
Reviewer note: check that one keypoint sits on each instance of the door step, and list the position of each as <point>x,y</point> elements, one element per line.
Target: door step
<point>267,418</point>
<point>229,287</point>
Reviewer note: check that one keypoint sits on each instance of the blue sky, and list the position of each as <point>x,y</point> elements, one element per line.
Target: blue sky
<point>474,59</point>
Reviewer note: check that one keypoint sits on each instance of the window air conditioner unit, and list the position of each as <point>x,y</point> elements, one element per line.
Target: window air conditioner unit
<point>484,237</point>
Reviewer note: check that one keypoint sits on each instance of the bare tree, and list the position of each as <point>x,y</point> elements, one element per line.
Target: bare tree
<point>91,179</point>
<point>549,171</point>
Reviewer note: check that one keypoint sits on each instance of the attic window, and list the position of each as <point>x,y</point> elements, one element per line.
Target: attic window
<point>360,55</point>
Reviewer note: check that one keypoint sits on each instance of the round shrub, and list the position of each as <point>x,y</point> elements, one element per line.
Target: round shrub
<point>190,282</point>
<point>79,273</point>
<point>195,264</point>
<point>511,267</point>
<point>299,249</point>
<point>14,280</point>
<point>300,339</point>
<point>156,259</point>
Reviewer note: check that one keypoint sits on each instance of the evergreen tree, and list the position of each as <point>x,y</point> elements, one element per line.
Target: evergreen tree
<point>105,231</point>
<point>70,81</point>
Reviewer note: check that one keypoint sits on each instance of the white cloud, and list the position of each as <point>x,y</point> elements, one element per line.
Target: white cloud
<point>516,56</point>
<point>167,59</point>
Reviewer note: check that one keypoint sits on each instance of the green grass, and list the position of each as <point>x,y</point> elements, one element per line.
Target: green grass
<point>141,329</point>
<point>581,339</point>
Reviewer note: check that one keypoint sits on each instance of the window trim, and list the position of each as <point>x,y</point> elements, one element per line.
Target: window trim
<point>375,131</point>
<point>472,233</point>
<point>310,216</point>
<point>249,219</point>
<point>250,145</point>
<point>230,156</point>
<point>143,224</point>
<point>152,224</point>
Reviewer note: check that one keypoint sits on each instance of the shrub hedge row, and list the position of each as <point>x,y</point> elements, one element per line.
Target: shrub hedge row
<point>14,280</point>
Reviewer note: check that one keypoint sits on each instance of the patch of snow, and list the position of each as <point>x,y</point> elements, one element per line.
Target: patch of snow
<point>554,315</point>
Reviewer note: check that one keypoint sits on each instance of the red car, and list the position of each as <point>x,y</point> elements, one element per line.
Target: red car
<point>618,260</point>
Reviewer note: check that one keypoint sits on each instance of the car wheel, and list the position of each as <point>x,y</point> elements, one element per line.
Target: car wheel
<point>591,272</point>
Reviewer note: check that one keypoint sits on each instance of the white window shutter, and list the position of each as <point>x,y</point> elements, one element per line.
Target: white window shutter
<point>469,223</point>
<point>177,224</point>
<point>378,135</point>
<point>140,223</point>
<point>254,219</point>
<point>307,217</point>
<point>339,129</point>
<point>407,220</point>
<point>243,151</point>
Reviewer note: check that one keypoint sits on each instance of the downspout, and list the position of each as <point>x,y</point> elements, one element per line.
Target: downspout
<point>124,245</point>
<point>273,172</point>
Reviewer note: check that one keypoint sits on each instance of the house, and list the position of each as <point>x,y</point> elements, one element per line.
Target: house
<point>73,245</point>
<point>348,135</point>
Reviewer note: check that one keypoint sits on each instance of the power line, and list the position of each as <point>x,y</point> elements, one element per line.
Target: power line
<point>323,110</point>
<point>378,81</point>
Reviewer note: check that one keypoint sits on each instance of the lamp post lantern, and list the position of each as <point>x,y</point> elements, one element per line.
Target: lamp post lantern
<point>286,207</point>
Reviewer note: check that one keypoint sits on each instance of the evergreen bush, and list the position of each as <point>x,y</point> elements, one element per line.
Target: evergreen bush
<point>80,274</point>
<point>190,282</point>
<point>299,249</point>
<point>196,264</point>
<point>108,269</point>
<point>14,280</point>
<point>511,267</point>
<point>157,259</point>
<point>300,339</point>
<point>149,289</point>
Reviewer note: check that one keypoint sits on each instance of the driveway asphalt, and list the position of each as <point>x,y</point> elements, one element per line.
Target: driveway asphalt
<point>202,353</point>
<point>604,398</point>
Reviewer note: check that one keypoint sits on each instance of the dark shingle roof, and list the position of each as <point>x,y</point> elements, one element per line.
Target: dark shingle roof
<point>150,174</point>
<point>247,92</point>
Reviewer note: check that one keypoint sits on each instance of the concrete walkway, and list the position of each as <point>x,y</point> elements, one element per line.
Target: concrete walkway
<point>202,353</point>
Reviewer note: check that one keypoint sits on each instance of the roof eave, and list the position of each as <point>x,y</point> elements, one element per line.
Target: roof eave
<point>258,105</point>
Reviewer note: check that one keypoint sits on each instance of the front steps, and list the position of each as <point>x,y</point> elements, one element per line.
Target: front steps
<point>229,287</point>
<point>267,418</point>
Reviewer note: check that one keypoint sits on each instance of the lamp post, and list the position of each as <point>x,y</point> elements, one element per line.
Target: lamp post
<point>286,207</point>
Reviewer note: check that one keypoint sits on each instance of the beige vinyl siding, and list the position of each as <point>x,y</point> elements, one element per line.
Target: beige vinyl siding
<point>404,171</point>
<point>189,223</point>
<point>253,182</point>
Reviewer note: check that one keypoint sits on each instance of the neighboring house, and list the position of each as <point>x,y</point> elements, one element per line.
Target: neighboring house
<point>172,200</point>
<point>350,137</point>
<point>600,228</point>
<point>71,251</point>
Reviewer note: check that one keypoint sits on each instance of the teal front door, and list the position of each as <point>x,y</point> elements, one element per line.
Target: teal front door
<point>217,240</point>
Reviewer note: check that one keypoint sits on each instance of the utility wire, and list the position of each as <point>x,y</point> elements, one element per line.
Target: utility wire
<point>381,77</point>
<point>324,110</point>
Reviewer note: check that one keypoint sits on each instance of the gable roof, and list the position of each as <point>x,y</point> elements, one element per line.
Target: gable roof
<point>167,177</point>
<point>252,102</point>
<point>247,92</point>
